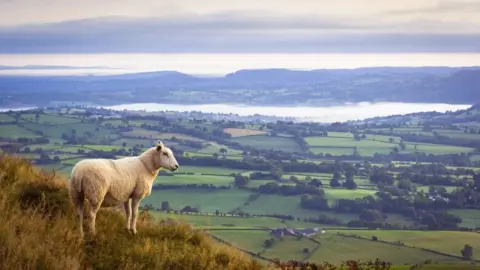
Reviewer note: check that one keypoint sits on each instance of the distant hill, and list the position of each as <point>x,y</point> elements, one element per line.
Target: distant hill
<point>255,87</point>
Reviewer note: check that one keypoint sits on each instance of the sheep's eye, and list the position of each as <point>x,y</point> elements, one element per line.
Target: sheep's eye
<point>165,154</point>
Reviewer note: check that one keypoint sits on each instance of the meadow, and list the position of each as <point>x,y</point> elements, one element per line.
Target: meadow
<point>343,144</point>
<point>433,240</point>
<point>249,233</point>
<point>269,142</point>
<point>333,248</point>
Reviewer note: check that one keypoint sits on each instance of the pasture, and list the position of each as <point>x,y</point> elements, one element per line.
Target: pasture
<point>240,132</point>
<point>288,205</point>
<point>335,249</point>
<point>253,240</point>
<point>269,142</point>
<point>49,119</point>
<point>207,170</point>
<point>470,217</point>
<point>5,118</point>
<point>368,147</point>
<point>15,132</point>
<point>79,129</point>
<point>229,222</point>
<point>449,242</point>
<point>206,199</point>
<point>184,179</point>
<point>156,135</point>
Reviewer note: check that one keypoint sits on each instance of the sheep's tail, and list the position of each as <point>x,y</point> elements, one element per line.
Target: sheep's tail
<point>75,186</point>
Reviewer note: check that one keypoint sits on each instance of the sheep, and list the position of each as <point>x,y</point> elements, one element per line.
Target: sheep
<point>108,182</point>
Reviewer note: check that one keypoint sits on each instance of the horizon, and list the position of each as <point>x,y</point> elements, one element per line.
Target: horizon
<point>221,64</point>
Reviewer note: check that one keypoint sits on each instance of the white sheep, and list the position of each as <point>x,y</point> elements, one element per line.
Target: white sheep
<point>107,183</point>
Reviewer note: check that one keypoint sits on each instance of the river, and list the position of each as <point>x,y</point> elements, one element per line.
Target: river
<point>330,114</point>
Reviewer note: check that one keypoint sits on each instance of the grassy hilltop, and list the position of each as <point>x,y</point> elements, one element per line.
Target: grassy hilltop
<point>402,189</point>
<point>37,231</point>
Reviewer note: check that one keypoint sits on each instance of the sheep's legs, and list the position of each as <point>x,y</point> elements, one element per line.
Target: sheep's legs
<point>92,214</point>
<point>128,212</point>
<point>78,199</point>
<point>79,204</point>
<point>133,222</point>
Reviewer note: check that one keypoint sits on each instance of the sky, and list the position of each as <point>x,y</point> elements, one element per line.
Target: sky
<point>243,26</point>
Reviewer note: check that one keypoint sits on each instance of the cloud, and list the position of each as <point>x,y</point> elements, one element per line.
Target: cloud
<point>443,6</point>
<point>235,32</point>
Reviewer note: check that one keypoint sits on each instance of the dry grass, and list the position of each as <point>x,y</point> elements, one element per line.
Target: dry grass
<point>240,132</point>
<point>37,231</point>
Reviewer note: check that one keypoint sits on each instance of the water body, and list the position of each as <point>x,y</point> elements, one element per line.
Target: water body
<point>329,114</point>
<point>220,64</point>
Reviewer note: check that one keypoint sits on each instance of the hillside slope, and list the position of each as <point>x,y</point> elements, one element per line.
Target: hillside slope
<point>37,231</point>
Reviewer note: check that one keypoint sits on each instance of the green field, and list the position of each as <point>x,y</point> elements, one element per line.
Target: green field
<point>207,170</point>
<point>336,249</point>
<point>6,118</point>
<point>211,148</point>
<point>434,240</point>
<point>470,217</point>
<point>48,119</point>
<point>288,205</point>
<point>184,179</point>
<point>231,222</point>
<point>56,131</point>
<point>14,132</point>
<point>207,200</point>
<point>343,145</point>
<point>332,248</point>
<point>156,135</point>
<point>269,142</point>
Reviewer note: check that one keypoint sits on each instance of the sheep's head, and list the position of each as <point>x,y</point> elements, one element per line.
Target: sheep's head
<point>165,158</point>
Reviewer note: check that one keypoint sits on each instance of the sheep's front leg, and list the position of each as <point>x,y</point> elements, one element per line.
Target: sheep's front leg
<point>128,212</point>
<point>133,224</point>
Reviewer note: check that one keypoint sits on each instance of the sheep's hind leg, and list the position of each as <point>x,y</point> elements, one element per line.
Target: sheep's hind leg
<point>79,205</point>
<point>78,199</point>
<point>128,213</point>
<point>92,215</point>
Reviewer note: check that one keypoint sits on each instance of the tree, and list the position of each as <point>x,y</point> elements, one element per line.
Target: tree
<point>355,151</point>
<point>335,182</point>
<point>268,243</point>
<point>241,180</point>
<point>402,145</point>
<point>350,184</point>
<point>223,151</point>
<point>165,206</point>
<point>276,172</point>
<point>315,182</point>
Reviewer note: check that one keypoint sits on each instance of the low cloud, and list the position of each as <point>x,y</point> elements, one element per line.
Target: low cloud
<point>234,33</point>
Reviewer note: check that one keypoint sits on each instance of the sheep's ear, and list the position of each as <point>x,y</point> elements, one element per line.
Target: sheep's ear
<point>159,145</point>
